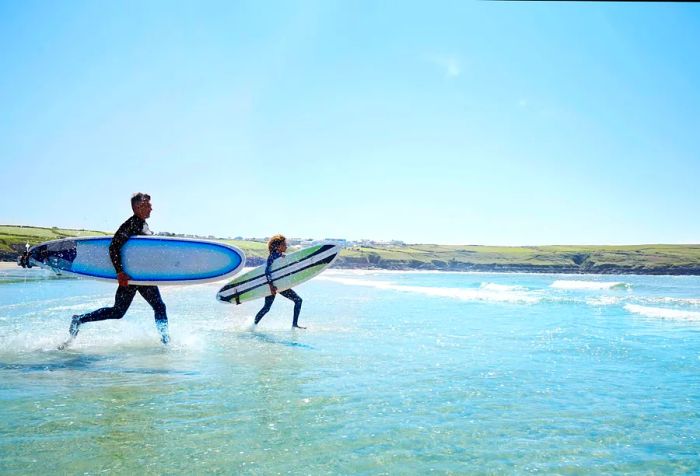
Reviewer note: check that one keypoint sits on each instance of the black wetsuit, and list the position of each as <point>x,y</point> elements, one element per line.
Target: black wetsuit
<point>125,294</point>
<point>289,294</point>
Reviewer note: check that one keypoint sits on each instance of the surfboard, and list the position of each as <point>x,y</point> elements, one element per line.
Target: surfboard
<point>149,260</point>
<point>287,272</point>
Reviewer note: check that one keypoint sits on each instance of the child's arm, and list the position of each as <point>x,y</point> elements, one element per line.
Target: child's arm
<point>268,275</point>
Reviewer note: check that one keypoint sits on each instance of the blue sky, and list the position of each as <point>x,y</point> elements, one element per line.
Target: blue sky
<point>453,122</point>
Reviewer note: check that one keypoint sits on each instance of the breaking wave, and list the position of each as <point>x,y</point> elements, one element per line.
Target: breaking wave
<point>662,313</point>
<point>604,301</point>
<point>589,285</point>
<point>502,287</point>
<point>487,292</point>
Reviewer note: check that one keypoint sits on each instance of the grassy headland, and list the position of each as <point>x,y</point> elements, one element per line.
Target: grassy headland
<point>631,259</point>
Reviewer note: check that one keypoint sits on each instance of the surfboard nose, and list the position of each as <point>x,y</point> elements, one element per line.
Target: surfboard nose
<point>53,254</point>
<point>38,254</point>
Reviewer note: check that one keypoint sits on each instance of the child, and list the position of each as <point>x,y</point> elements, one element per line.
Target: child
<point>277,246</point>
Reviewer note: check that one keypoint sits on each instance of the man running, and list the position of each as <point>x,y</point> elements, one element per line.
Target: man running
<point>136,225</point>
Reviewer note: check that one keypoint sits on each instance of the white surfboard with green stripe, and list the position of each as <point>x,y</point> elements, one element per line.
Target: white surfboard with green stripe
<point>288,271</point>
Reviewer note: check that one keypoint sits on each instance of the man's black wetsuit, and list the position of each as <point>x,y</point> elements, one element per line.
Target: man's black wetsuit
<point>125,294</point>
<point>289,294</point>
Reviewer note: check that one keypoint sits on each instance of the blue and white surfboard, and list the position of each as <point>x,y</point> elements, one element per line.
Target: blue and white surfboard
<point>149,260</point>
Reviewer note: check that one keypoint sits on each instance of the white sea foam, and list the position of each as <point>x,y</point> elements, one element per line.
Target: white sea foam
<point>589,285</point>
<point>663,313</point>
<point>501,287</point>
<point>389,272</point>
<point>604,301</point>
<point>673,300</point>
<point>84,307</point>
<point>501,294</point>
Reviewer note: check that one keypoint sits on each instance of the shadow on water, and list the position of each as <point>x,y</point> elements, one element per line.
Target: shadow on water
<point>87,363</point>
<point>78,362</point>
<point>271,339</point>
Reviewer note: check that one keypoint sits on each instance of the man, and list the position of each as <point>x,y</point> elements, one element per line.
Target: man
<point>136,225</point>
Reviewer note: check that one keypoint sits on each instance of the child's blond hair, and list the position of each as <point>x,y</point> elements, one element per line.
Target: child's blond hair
<point>275,242</point>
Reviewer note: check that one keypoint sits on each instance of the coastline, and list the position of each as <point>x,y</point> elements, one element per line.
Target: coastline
<point>563,270</point>
<point>499,268</point>
<point>635,259</point>
<point>643,269</point>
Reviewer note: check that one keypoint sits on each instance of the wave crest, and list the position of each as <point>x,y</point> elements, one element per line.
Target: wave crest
<point>663,313</point>
<point>589,285</point>
<point>501,287</point>
<point>491,294</point>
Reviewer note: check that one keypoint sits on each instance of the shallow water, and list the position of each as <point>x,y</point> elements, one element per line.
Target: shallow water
<point>398,373</point>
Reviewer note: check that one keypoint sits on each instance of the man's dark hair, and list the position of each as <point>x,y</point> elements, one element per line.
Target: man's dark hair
<point>138,198</point>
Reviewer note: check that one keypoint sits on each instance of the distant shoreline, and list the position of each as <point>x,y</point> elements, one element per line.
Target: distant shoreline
<point>646,259</point>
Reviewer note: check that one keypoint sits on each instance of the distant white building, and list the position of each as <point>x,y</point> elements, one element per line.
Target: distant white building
<point>369,243</point>
<point>339,241</point>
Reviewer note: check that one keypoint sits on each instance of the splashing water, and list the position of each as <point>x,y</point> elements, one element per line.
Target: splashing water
<point>506,373</point>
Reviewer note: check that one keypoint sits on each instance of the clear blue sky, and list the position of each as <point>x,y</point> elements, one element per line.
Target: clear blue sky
<point>433,122</point>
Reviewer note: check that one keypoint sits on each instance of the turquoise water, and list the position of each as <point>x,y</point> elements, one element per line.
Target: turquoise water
<point>398,373</point>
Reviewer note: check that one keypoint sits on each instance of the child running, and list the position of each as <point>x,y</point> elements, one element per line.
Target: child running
<point>277,245</point>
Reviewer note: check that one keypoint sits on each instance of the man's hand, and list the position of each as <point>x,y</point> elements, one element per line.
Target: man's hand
<point>273,289</point>
<point>123,279</point>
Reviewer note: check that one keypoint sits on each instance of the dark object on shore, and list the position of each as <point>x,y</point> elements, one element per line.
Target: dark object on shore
<point>23,260</point>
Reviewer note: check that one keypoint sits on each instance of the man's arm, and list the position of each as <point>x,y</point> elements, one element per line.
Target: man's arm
<point>115,250</point>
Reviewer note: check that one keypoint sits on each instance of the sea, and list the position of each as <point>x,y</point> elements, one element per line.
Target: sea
<point>396,373</point>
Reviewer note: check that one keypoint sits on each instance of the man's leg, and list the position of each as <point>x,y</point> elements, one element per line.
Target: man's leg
<point>122,301</point>
<point>265,308</point>
<point>289,294</point>
<point>152,296</point>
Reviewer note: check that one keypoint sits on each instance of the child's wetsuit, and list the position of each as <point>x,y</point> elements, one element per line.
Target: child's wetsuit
<point>289,294</point>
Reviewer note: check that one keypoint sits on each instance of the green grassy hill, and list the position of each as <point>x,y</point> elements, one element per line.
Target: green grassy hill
<point>14,238</point>
<point>639,259</point>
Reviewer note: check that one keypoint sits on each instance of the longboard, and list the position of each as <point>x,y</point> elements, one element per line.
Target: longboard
<point>148,260</point>
<point>287,272</point>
